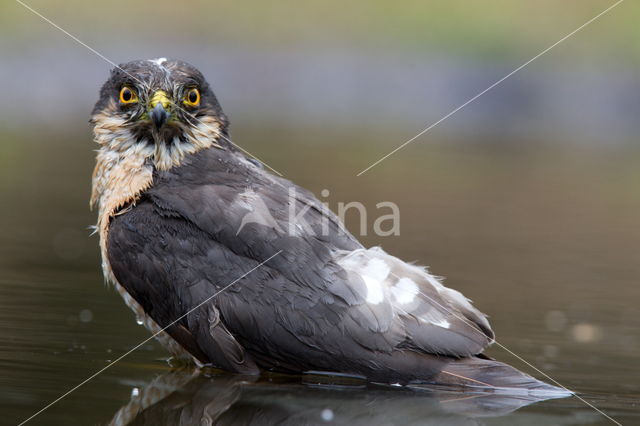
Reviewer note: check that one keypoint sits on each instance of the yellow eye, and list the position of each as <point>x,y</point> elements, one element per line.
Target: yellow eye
<point>128,95</point>
<point>192,97</point>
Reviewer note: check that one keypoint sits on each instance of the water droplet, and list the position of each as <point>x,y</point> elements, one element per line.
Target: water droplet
<point>327,414</point>
<point>555,320</point>
<point>139,321</point>
<point>135,392</point>
<point>550,351</point>
<point>85,315</point>
<point>586,333</point>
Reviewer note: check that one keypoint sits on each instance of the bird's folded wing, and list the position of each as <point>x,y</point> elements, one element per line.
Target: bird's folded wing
<point>374,299</point>
<point>433,318</point>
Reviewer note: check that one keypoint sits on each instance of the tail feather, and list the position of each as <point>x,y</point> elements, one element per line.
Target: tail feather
<point>490,375</point>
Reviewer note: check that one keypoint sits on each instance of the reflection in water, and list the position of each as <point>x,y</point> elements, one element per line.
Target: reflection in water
<point>185,397</point>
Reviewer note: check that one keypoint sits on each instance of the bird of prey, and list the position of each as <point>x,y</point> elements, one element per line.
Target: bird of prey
<point>174,194</point>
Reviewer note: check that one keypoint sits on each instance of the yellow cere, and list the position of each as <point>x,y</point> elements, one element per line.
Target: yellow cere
<point>160,97</point>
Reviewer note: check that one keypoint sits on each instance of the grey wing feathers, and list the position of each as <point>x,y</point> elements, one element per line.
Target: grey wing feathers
<point>323,301</point>
<point>433,318</point>
<point>222,349</point>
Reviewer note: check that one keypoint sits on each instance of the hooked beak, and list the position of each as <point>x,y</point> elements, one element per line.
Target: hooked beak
<point>159,104</point>
<point>159,116</point>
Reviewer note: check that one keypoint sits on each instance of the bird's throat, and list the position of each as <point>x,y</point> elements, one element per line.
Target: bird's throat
<point>120,176</point>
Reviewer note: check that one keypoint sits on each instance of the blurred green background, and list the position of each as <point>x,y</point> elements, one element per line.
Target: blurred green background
<point>527,199</point>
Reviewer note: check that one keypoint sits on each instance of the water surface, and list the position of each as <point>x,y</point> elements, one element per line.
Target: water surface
<point>543,239</point>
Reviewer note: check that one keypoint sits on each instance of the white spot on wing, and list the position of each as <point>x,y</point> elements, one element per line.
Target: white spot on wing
<point>405,291</point>
<point>377,268</point>
<point>375,294</point>
<point>373,275</point>
<point>374,266</point>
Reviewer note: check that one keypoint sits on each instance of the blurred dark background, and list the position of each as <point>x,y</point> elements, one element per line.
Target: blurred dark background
<point>527,199</point>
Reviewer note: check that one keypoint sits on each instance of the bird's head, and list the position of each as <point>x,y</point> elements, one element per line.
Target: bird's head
<point>162,109</point>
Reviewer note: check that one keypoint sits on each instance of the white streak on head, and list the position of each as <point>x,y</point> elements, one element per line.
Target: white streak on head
<point>158,61</point>
<point>405,291</point>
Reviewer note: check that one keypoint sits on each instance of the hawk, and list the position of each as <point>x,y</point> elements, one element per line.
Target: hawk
<point>173,196</point>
